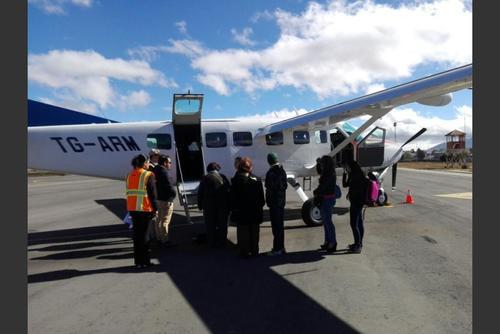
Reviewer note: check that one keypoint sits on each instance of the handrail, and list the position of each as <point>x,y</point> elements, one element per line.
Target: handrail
<point>183,193</point>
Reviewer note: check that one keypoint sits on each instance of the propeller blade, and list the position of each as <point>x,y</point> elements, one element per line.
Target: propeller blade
<point>394,172</point>
<point>415,136</point>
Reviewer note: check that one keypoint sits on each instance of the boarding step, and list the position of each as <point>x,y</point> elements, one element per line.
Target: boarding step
<point>188,192</point>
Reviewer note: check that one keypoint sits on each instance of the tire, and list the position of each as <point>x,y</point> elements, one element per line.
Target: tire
<point>310,214</point>
<point>382,198</point>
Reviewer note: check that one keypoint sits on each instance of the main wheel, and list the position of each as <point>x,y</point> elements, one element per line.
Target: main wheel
<point>311,214</point>
<point>382,197</point>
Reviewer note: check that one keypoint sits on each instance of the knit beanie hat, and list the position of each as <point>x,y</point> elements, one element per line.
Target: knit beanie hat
<point>272,158</point>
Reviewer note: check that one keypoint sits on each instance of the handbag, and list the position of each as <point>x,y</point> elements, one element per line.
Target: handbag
<point>338,192</point>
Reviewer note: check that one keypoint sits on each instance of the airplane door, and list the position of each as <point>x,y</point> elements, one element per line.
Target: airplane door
<point>371,148</point>
<point>186,120</point>
<point>337,136</point>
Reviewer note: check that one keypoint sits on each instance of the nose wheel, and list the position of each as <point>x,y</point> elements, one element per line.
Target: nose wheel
<point>382,197</point>
<point>311,214</point>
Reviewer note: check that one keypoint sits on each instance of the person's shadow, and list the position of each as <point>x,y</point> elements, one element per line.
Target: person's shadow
<point>232,295</point>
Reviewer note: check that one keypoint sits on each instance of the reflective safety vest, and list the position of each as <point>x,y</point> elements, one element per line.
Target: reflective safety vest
<point>137,193</point>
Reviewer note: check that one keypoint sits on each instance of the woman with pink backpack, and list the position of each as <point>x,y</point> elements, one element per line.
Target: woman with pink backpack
<point>354,178</point>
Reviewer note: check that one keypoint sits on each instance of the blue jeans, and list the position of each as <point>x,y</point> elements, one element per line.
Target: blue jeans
<point>326,210</point>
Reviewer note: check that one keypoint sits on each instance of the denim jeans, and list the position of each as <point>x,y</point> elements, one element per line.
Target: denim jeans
<point>326,210</point>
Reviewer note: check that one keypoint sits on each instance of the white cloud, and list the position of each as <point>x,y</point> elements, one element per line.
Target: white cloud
<point>87,75</point>
<point>410,122</point>
<point>182,27</point>
<point>265,15</point>
<point>146,53</point>
<point>57,6</point>
<point>243,37</point>
<point>186,47</point>
<point>135,99</point>
<point>342,48</point>
<point>373,88</point>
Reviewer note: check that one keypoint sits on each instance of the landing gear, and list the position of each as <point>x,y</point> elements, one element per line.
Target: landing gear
<point>382,197</point>
<point>311,214</point>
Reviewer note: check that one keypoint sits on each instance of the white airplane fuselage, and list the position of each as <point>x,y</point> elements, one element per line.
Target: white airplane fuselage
<point>106,150</point>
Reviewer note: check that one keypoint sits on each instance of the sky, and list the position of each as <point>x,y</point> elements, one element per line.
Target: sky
<point>124,60</point>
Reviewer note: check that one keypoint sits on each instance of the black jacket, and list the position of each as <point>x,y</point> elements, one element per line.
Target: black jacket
<point>357,184</point>
<point>246,199</point>
<point>326,186</point>
<point>276,186</point>
<point>152,191</point>
<point>213,191</point>
<point>164,184</point>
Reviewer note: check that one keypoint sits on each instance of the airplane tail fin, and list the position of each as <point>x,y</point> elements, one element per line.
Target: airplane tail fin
<point>42,114</point>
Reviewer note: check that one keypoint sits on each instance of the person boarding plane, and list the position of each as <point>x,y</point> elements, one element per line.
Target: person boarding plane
<point>298,141</point>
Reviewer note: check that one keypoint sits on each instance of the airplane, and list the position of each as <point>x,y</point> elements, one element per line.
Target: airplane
<point>105,150</point>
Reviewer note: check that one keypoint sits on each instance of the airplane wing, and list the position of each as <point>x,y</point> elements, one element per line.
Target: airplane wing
<point>432,90</point>
<point>42,114</point>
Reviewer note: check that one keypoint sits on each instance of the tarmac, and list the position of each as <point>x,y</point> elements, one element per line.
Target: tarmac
<point>414,274</point>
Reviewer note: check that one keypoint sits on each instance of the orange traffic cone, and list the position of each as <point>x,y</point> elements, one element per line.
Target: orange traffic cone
<point>409,198</point>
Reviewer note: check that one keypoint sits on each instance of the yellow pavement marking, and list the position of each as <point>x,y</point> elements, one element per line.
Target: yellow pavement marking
<point>457,195</point>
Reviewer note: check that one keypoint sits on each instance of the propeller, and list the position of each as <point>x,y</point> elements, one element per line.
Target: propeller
<point>416,135</point>
<point>395,165</point>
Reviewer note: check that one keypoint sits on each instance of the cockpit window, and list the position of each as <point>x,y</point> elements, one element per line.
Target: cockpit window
<point>161,141</point>
<point>376,138</point>
<point>320,137</point>
<point>216,139</point>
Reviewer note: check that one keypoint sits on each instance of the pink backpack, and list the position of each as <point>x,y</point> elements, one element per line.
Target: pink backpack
<point>372,192</point>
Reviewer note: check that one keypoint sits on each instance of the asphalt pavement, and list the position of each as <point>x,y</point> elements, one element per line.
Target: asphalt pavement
<point>413,276</point>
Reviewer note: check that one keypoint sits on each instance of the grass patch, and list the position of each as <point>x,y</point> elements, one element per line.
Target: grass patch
<point>432,165</point>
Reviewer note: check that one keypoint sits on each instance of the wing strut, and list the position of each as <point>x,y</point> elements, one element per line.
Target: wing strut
<point>376,116</point>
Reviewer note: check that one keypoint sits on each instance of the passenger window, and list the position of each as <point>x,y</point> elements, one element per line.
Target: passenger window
<point>301,137</point>
<point>161,141</point>
<point>320,136</point>
<point>274,138</point>
<point>216,139</point>
<point>242,138</point>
